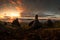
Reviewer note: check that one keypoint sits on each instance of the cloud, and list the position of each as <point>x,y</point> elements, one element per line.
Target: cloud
<point>32,7</point>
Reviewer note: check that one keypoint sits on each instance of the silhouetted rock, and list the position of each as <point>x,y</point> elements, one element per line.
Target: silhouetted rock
<point>35,24</point>
<point>16,22</point>
<point>30,24</point>
<point>50,23</point>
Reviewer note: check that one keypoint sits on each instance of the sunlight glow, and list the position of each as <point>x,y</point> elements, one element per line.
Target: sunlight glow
<point>12,14</point>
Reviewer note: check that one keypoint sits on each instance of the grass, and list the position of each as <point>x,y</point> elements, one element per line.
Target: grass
<point>15,33</point>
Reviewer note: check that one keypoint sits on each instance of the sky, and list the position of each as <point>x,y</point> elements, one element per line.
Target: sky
<point>31,7</point>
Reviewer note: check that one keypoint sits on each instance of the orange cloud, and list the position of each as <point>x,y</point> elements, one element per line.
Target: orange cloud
<point>12,2</point>
<point>20,9</point>
<point>19,1</point>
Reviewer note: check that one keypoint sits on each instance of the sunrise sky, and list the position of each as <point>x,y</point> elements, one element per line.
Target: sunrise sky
<point>21,8</point>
